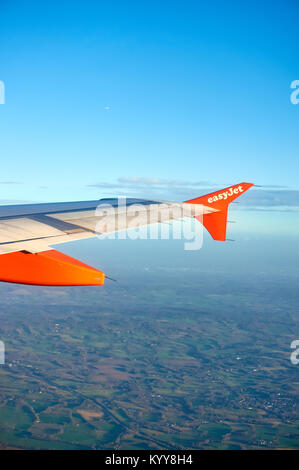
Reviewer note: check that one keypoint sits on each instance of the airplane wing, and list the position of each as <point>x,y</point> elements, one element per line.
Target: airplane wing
<point>28,232</point>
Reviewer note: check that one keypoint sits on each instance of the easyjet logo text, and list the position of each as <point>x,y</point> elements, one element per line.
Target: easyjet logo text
<point>226,194</point>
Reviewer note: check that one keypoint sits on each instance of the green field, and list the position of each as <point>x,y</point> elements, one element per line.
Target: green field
<point>136,366</point>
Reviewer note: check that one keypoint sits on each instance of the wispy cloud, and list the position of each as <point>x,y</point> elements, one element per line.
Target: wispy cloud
<point>10,182</point>
<point>161,182</point>
<point>273,186</point>
<point>283,209</point>
<point>265,197</point>
<point>4,202</point>
<point>272,198</point>
<point>158,188</point>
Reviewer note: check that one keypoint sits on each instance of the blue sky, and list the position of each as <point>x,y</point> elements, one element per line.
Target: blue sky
<point>148,98</point>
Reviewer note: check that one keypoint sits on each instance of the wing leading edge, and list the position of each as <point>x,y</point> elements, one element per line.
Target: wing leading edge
<point>27,233</point>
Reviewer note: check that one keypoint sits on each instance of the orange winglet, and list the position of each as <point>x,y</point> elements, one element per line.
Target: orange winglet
<point>215,222</point>
<point>47,268</point>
